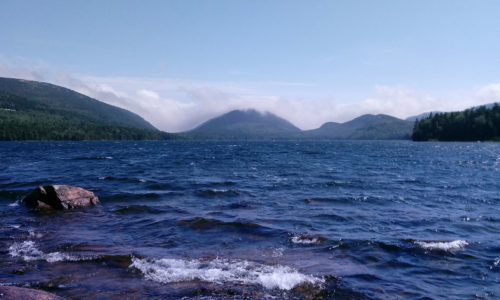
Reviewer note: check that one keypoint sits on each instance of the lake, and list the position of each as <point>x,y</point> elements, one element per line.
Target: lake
<point>287,219</point>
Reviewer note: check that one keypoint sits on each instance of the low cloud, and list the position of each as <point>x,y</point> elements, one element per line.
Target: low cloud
<point>490,92</point>
<point>178,104</point>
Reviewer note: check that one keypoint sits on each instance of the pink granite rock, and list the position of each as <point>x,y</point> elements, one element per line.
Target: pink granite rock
<point>61,197</point>
<point>18,293</point>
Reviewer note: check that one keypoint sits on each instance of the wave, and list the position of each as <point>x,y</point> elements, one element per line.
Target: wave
<point>442,245</point>
<point>14,204</point>
<point>342,199</point>
<point>122,179</point>
<point>162,186</point>
<point>238,205</point>
<point>199,223</point>
<point>304,239</point>
<point>13,194</point>
<point>92,157</point>
<point>221,271</point>
<point>28,251</point>
<point>138,209</point>
<point>211,193</point>
<point>138,195</point>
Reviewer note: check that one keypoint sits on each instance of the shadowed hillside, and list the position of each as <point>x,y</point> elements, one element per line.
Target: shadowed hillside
<point>31,110</point>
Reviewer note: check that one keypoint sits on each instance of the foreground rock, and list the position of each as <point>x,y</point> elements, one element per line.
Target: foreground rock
<point>61,197</point>
<point>15,293</point>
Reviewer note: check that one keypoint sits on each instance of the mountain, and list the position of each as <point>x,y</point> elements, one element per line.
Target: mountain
<point>31,110</point>
<point>251,124</point>
<point>365,127</point>
<point>245,124</point>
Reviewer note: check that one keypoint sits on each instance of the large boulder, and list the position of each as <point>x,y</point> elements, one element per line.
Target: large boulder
<point>18,293</point>
<point>61,197</point>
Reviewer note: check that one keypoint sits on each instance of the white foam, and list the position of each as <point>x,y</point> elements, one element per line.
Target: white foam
<point>15,203</point>
<point>221,271</point>
<point>446,246</point>
<point>29,252</point>
<point>277,252</point>
<point>35,234</point>
<point>495,264</point>
<point>304,239</point>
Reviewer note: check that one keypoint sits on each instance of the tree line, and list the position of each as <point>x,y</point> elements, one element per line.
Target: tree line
<point>475,124</point>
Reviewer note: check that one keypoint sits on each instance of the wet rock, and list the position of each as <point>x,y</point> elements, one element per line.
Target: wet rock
<point>60,197</point>
<point>15,293</point>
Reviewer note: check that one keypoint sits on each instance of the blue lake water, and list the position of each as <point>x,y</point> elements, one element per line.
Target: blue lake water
<point>217,220</point>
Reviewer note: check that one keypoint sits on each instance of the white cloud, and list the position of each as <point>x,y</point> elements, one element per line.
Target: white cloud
<point>148,94</point>
<point>490,92</point>
<point>178,104</point>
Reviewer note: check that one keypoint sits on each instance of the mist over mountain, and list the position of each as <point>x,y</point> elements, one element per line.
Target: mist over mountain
<point>37,110</point>
<point>32,110</point>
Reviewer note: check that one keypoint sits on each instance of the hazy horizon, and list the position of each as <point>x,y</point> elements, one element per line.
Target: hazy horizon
<point>179,63</point>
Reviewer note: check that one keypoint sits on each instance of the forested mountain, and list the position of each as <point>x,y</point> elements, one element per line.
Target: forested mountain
<point>475,124</point>
<point>366,127</point>
<point>31,110</point>
<point>245,124</point>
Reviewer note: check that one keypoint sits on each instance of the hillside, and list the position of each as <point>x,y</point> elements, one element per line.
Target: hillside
<point>365,127</point>
<point>474,124</point>
<point>31,110</point>
<point>245,124</point>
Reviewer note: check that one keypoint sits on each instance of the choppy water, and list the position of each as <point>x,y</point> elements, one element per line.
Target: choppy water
<point>346,219</point>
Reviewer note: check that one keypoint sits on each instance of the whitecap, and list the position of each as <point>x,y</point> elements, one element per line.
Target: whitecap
<point>445,246</point>
<point>15,203</point>
<point>495,264</point>
<point>33,234</point>
<point>28,251</point>
<point>304,239</point>
<point>222,271</point>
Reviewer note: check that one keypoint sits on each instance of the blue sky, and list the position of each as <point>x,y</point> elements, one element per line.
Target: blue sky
<point>309,61</point>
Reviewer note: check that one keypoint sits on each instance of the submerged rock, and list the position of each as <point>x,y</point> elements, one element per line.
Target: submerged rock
<point>15,293</point>
<point>61,197</point>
